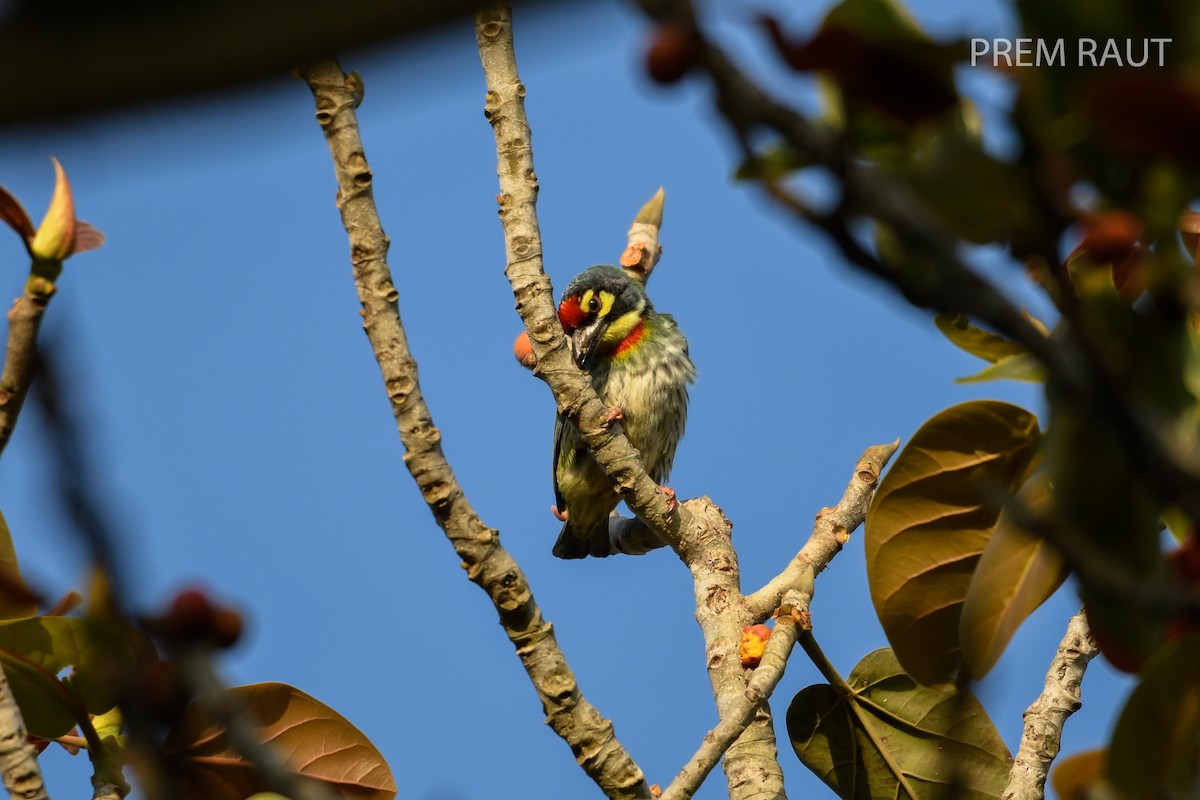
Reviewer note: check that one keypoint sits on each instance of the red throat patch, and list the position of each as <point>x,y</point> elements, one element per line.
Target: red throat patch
<point>631,341</point>
<point>570,314</point>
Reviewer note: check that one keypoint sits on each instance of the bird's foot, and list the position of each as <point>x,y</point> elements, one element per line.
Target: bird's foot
<point>613,415</point>
<point>669,494</point>
<point>561,516</point>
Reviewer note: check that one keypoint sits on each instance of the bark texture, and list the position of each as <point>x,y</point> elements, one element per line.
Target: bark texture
<point>589,735</point>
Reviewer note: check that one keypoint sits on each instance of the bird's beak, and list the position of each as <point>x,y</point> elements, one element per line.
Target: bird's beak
<point>584,341</point>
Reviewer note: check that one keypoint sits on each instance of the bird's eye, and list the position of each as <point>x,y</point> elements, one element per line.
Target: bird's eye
<point>594,304</point>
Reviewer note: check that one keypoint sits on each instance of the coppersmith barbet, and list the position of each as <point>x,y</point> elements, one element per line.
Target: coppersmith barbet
<point>639,365</point>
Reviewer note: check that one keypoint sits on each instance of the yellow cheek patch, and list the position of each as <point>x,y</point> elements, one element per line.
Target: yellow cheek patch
<point>621,327</point>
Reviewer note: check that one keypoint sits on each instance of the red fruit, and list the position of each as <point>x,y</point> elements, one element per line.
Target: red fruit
<point>1110,236</point>
<point>523,350</point>
<point>227,628</point>
<point>753,643</point>
<point>671,54</point>
<point>191,616</point>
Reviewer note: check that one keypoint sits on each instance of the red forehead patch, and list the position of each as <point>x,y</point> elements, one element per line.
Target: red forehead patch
<point>570,314</point>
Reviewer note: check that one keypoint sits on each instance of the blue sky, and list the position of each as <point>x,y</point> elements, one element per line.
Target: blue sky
<point>243,441</point>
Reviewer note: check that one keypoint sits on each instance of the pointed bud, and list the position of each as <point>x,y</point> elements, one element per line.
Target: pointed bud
<point>55,238</point>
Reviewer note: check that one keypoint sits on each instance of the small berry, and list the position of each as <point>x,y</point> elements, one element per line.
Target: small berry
<point>1110,236</point>
<point>191,616</point>
<point>227,628</point>
<point>523,350</point>
<point>671,54</point>
<point>753,643</point>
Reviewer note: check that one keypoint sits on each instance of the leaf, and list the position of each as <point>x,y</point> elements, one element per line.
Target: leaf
<point>1015,575</point>
<point>1021,367</point>
<point>1074,777</point>
<point>931,520</point>
<point>776,162</point>
<point>976,341</point>
<point>316,742</point>
<point>890,737</point>
<point>16,600</point>
<point>1177,523</point>
<point>1155,749</point>
<point>35,651</point>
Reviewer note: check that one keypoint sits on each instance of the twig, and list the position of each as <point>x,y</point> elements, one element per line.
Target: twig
<point>831,529</point>
<point>1044,720</point>
<point>20,358</point>
<point>589,735</point>
<point>643,251</point>
<point>18,760</point>
<point>738,716</point>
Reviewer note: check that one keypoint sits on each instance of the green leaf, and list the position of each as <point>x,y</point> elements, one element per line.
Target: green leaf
<point>1177,523</point>
<point>16,602</point>
<point>774,163</point>
<point>976,341</point>
<point>35,651</point>
<point>1015,575</point>
<point>890,737</point>
<point>976,196</point>
<point>931,520</point>
<point>316,742</point>
<point>1021,367</point>
<point>1155,750</point>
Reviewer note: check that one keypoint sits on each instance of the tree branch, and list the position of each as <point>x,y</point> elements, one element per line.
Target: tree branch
<point>831,529</point>
<point>572,388</point>
<point>765,678</point>
<point>696,530</point>
<point>1044,720</point>
<point>20,358</point>
<point>589,735</point>
<point>18,760</point>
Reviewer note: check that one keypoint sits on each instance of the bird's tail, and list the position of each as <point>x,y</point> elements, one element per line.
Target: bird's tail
<point>573,543</point>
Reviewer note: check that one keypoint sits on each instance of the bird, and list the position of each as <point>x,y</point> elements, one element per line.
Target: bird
<point>639,365</point>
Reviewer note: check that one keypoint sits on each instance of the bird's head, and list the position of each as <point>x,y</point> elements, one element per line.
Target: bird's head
<point>602,311</point>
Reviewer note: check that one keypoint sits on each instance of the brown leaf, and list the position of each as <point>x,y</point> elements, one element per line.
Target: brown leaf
<point>1076,776</point>
<point>930,522</point>
<point>13,213</point>
<point>315,740</point>
<point>1015,575</point>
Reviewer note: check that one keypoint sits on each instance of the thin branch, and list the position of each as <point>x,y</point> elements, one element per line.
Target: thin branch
<point>589,735</point>
<point>751,764</point>
<point>20,357</point>
<point>18,759</point>
<point>1041,738</point>
<point>643,250</point>
<point>831,529</point>
<point>738,716</point>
